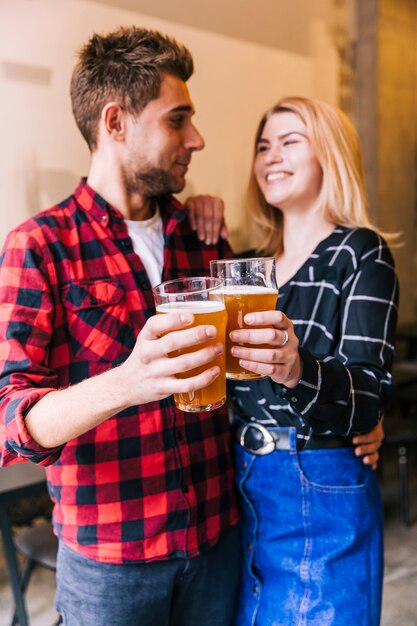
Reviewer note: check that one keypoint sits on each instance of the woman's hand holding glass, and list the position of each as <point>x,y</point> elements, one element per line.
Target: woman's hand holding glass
<point>281,360</point>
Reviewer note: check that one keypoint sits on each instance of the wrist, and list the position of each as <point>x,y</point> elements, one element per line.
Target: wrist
<point>124,383</point>
<point>295,373</point>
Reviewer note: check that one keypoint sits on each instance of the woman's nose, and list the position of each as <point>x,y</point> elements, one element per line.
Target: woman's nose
<point>274,154</point>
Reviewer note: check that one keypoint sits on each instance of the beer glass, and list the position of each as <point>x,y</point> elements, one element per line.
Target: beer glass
<point>249,285</point>
<point>201,297</point>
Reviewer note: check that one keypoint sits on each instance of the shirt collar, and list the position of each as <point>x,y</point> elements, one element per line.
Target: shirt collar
<point>172,211</point>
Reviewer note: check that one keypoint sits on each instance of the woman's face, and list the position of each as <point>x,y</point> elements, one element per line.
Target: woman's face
<point>286,168</point>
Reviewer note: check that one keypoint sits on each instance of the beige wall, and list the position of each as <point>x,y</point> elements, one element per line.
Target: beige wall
<point>42,154</point>
<point>387,122</point>
<point>397,115</point>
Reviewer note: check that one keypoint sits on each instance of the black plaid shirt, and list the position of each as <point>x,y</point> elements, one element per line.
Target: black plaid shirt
<point>343,303</point>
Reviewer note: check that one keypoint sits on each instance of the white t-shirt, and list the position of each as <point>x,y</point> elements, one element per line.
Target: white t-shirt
<point>148,242</point>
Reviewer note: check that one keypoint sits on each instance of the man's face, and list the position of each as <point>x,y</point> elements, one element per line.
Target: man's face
<point>160,141</point>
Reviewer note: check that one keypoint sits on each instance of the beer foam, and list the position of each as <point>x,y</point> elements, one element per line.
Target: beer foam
<point>206,306</point>
<point>235,290</point>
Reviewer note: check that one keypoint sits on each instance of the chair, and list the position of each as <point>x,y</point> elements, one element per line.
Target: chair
<point>400,424</point>
<point>39,545</point>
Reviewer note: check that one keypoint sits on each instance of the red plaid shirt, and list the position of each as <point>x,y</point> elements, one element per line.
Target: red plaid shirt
<point>151,482</point>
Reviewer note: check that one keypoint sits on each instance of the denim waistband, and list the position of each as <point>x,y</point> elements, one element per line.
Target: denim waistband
<point>258,439</point>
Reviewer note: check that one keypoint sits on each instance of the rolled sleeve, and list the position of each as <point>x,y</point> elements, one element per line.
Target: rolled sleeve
<point>26,327</point>
<point>17,441</point>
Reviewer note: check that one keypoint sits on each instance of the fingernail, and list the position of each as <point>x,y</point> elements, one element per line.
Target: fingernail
<point>218,349</point>
<point>234,336</point>
<point>211,331</point>
<point>249,318</point>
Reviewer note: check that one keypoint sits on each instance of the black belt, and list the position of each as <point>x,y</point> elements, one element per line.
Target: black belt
<point>258,439</point>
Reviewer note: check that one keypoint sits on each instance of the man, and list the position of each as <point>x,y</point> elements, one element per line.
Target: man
<point>145,506</point>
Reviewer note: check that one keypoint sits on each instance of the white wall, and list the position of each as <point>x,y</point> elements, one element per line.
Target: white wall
<point>42,153</point>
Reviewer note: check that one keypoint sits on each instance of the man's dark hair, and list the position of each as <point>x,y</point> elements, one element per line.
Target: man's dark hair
<point>125,66</point>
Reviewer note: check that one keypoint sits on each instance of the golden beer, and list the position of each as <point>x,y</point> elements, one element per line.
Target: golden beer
<point>239,301</point>
<point>249,285</point>
<point>205,312</point>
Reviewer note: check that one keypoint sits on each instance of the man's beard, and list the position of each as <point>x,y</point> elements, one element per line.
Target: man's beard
<point>153,182</point>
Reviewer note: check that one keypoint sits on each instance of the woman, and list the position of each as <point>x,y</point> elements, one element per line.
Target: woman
<point>312,515</point>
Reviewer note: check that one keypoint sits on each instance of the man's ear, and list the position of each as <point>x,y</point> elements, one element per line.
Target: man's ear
<point>113,118</point>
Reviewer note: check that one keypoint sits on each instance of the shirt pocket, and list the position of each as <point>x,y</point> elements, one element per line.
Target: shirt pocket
<point>97,320</point>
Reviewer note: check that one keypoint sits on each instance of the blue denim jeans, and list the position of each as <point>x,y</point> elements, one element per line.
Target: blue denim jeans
<point>312,539</point>
<point>178,592</point>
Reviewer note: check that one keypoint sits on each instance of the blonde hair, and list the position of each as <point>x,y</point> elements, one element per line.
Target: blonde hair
<point>342,198</point>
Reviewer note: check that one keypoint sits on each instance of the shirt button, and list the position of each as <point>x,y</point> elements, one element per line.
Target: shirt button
<point>294,399</point>
<point>103,218</point>
<point>255,590</point>
<point>249,547</point>
<point>146,284</point>
<point>244,465</point>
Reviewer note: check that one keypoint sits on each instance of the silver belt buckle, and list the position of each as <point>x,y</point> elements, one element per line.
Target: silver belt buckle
<point>269,441</point>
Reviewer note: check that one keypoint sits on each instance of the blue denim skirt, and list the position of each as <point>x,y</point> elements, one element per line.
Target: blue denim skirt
<point>312,531</point>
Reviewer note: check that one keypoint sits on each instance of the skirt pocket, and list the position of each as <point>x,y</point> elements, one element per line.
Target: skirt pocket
<point>333,470</point>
